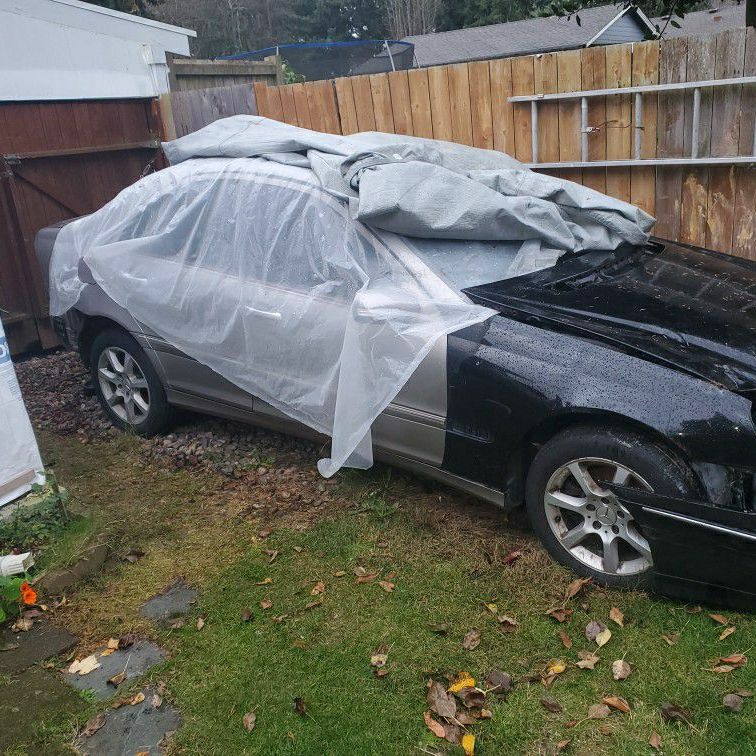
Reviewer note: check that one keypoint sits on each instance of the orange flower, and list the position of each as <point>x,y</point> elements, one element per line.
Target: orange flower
<point>28,594</point>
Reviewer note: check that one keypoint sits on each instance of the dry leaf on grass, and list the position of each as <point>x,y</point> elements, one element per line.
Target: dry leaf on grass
<point>512,556</point>
<point>599,711</point>
<point>338,573</point>
<point>498,682</point>
<point>318,588</point>
<point>200,623</point>
<point>84,666</point>
<point>621,670</point>
<point>671,639</point>
<point>725,664</point>
<point>588,659</point>
<point>555,667</point>
<point>472,698</point>
<point>674,713</point>
<point>435,727</point>
<point>616,702</point>
<point>300,707</point>
<point>733,702</point>
<point>246,614</point>
<point>603,637</point>
<point>574,588</point>
<point>655,741</point>
<point>134,556</point>
<point>560,745</point>
<point>462,680</point>
<point>127,641</point>
<point>593,628</point>
<point>137,698</point>
<point>265,581</point>
<point>318,602</point>
<point>264,533</point>
<point>107,652</point>
<point>566,640</point>
<point>266,603</point>
<point>440,702</point>
<point>468,744</point>
<point>378,660</point>
<point>551,704</point>
<point>386,585</point>
<point>508,624</point>
<point>156,701</point>
<point>560,614</point>
<point>367,578</point>
<point>471,640</point>
<point>727,632</point>
<point>273,554</point>
<point>93,725</point>
<point>615,615</point>
<point>439,629</point>
<point>249,720</point>
<point>113,643</point>
<point>720,619</point>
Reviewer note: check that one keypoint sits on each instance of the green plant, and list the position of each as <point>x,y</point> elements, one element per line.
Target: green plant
<point>88,695</point>
<point>42,514</point>
<point>10,596</point>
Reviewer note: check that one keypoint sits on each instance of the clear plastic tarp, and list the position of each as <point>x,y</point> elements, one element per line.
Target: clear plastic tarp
<point>316,271</point>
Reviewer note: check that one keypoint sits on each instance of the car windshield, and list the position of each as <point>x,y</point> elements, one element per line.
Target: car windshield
<point>466,263</point>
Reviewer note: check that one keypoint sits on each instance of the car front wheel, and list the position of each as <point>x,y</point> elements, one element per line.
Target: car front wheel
<point>127,385</point>
<point>579,520</point>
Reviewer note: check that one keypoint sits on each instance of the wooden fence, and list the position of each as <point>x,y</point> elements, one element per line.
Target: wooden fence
<point>190,73</point>
<point>711,206</point>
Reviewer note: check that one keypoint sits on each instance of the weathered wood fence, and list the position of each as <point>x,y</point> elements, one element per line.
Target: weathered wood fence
<point>712,206</point>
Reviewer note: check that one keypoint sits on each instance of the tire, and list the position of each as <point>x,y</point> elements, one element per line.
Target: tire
<point>133,397</point>
<point>581,524</point>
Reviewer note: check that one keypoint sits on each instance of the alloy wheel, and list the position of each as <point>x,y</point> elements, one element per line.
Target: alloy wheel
<point>123,385</point>
<point>588,520</point>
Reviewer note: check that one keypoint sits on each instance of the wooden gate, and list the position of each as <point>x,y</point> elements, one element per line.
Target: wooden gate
<point>59,160</point>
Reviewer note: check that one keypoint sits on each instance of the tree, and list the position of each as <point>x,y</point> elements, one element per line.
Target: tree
<point>335,20</point>
<point>407,17</point>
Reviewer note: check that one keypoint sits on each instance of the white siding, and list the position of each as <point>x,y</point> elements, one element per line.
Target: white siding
<point>625,29</point>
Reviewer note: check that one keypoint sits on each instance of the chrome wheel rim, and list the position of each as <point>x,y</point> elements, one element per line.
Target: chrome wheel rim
<point>123,385</point>
<point>588,520</point>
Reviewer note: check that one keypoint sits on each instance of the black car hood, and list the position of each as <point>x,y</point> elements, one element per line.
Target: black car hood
<point>689,308</point>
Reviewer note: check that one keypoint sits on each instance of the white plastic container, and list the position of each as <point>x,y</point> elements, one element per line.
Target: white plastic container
<point>20,463</point>
<point>15,564</point>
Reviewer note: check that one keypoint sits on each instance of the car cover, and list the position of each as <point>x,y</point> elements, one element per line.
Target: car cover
<point>290,261</point>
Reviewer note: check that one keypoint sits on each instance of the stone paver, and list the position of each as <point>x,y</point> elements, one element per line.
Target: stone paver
<point>135,660</point>
<point>41,642</point>
<point>33,697</point>
<point>133,729</point>
<point>173,602</point>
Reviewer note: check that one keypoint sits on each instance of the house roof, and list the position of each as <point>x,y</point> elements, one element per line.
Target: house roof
<point>531,35</point>
<point>706,21</point>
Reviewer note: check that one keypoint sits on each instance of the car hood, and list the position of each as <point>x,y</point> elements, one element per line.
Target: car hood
<point>688,308</point>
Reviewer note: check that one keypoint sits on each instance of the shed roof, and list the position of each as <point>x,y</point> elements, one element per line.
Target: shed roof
<point>704,22</point>
<point>531,35</point>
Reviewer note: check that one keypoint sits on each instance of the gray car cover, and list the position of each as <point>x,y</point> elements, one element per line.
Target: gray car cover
<point>302,266</point>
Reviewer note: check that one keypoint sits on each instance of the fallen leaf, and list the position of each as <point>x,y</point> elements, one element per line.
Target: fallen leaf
<point>566,640</point>
<point>588,659</point>
<point>671,639</point>
<point>264,533</point>
<point>462,680</point>
<point>22,625</point>
<point>116,680</point>
<point>435,727</point>
<point>300,707</point>
<point>498,682</point>
<point>725,664</point>
<point>674,713</point>
<point>246,615</point>
<point>508,624</point>
<point>113,643</point>
<point>338,573</point>
<point>279,618</point>
<point>440,629</point>
<point>266,603</point>
<point>265,581</point>
<point>84,666</point>
<point>440,702</point>
<point>603,637</point>
<point>127,641</point>
<point>200,623</point>
<point>720,619</point>
<point>472,698</point>
<point>136,699</point>
<point>367,578</point>
<point>471,640</point>
<point>575,587</point>
<point>177,624</point>
<point>555,667</point>
<point>453,733</point>
<point>318,588</point>
<point>378,660</point>
<point>468,744</point>
<point>134,555</point>
<point>551,704</point>
<point>156,700</point>
<point>512,556</point>
<point>615,615</point>
<point>493,608</point>
<point>727,632</point>
<point>360,571</point>
<point>381,672</point>
<point>617,703</point>
<point>106,652</point>
<point>388,587</point>
<point>560,745</point>
<point>249,720</point>
<point>298,549</point>
<point>593,628</point>
<point>93,725</point>
<point>655,741</point>
<point>733,702</point>
<point>742,692</point>
<point>599,711</point>
<point>621,669</point>
<point>560,614</point>
<point>486,714</point>
<point>273,554</point>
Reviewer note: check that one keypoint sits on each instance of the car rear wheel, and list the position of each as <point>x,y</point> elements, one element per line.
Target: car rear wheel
<point>579,520</point>
<point>127,385</point>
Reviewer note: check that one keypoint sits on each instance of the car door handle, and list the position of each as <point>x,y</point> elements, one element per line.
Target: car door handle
<point>263,313</point>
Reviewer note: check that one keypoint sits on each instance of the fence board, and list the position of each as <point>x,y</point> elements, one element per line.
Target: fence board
<point>545,81</point>
<point>480,104</point>
<point>646,71</point>
<point>347,109</point>
<point>673,66</point>
<point>400,102</point>
<point>618,114</point>
<point>301,104</point>
<point>384,116</point>
<point>438,87</point>
<point>422,122</point>
<point>523,83</point>
<point>569,80</point>
<point>593,62</point>
<point>363,103</point>
<point>459,97</point>
<point>287,105</point>
<point>501,110</point>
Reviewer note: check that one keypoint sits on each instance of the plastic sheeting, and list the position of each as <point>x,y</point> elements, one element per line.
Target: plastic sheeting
<point>298,264</point>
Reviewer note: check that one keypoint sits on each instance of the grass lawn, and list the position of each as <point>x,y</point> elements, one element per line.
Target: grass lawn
<point>448,555</point>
